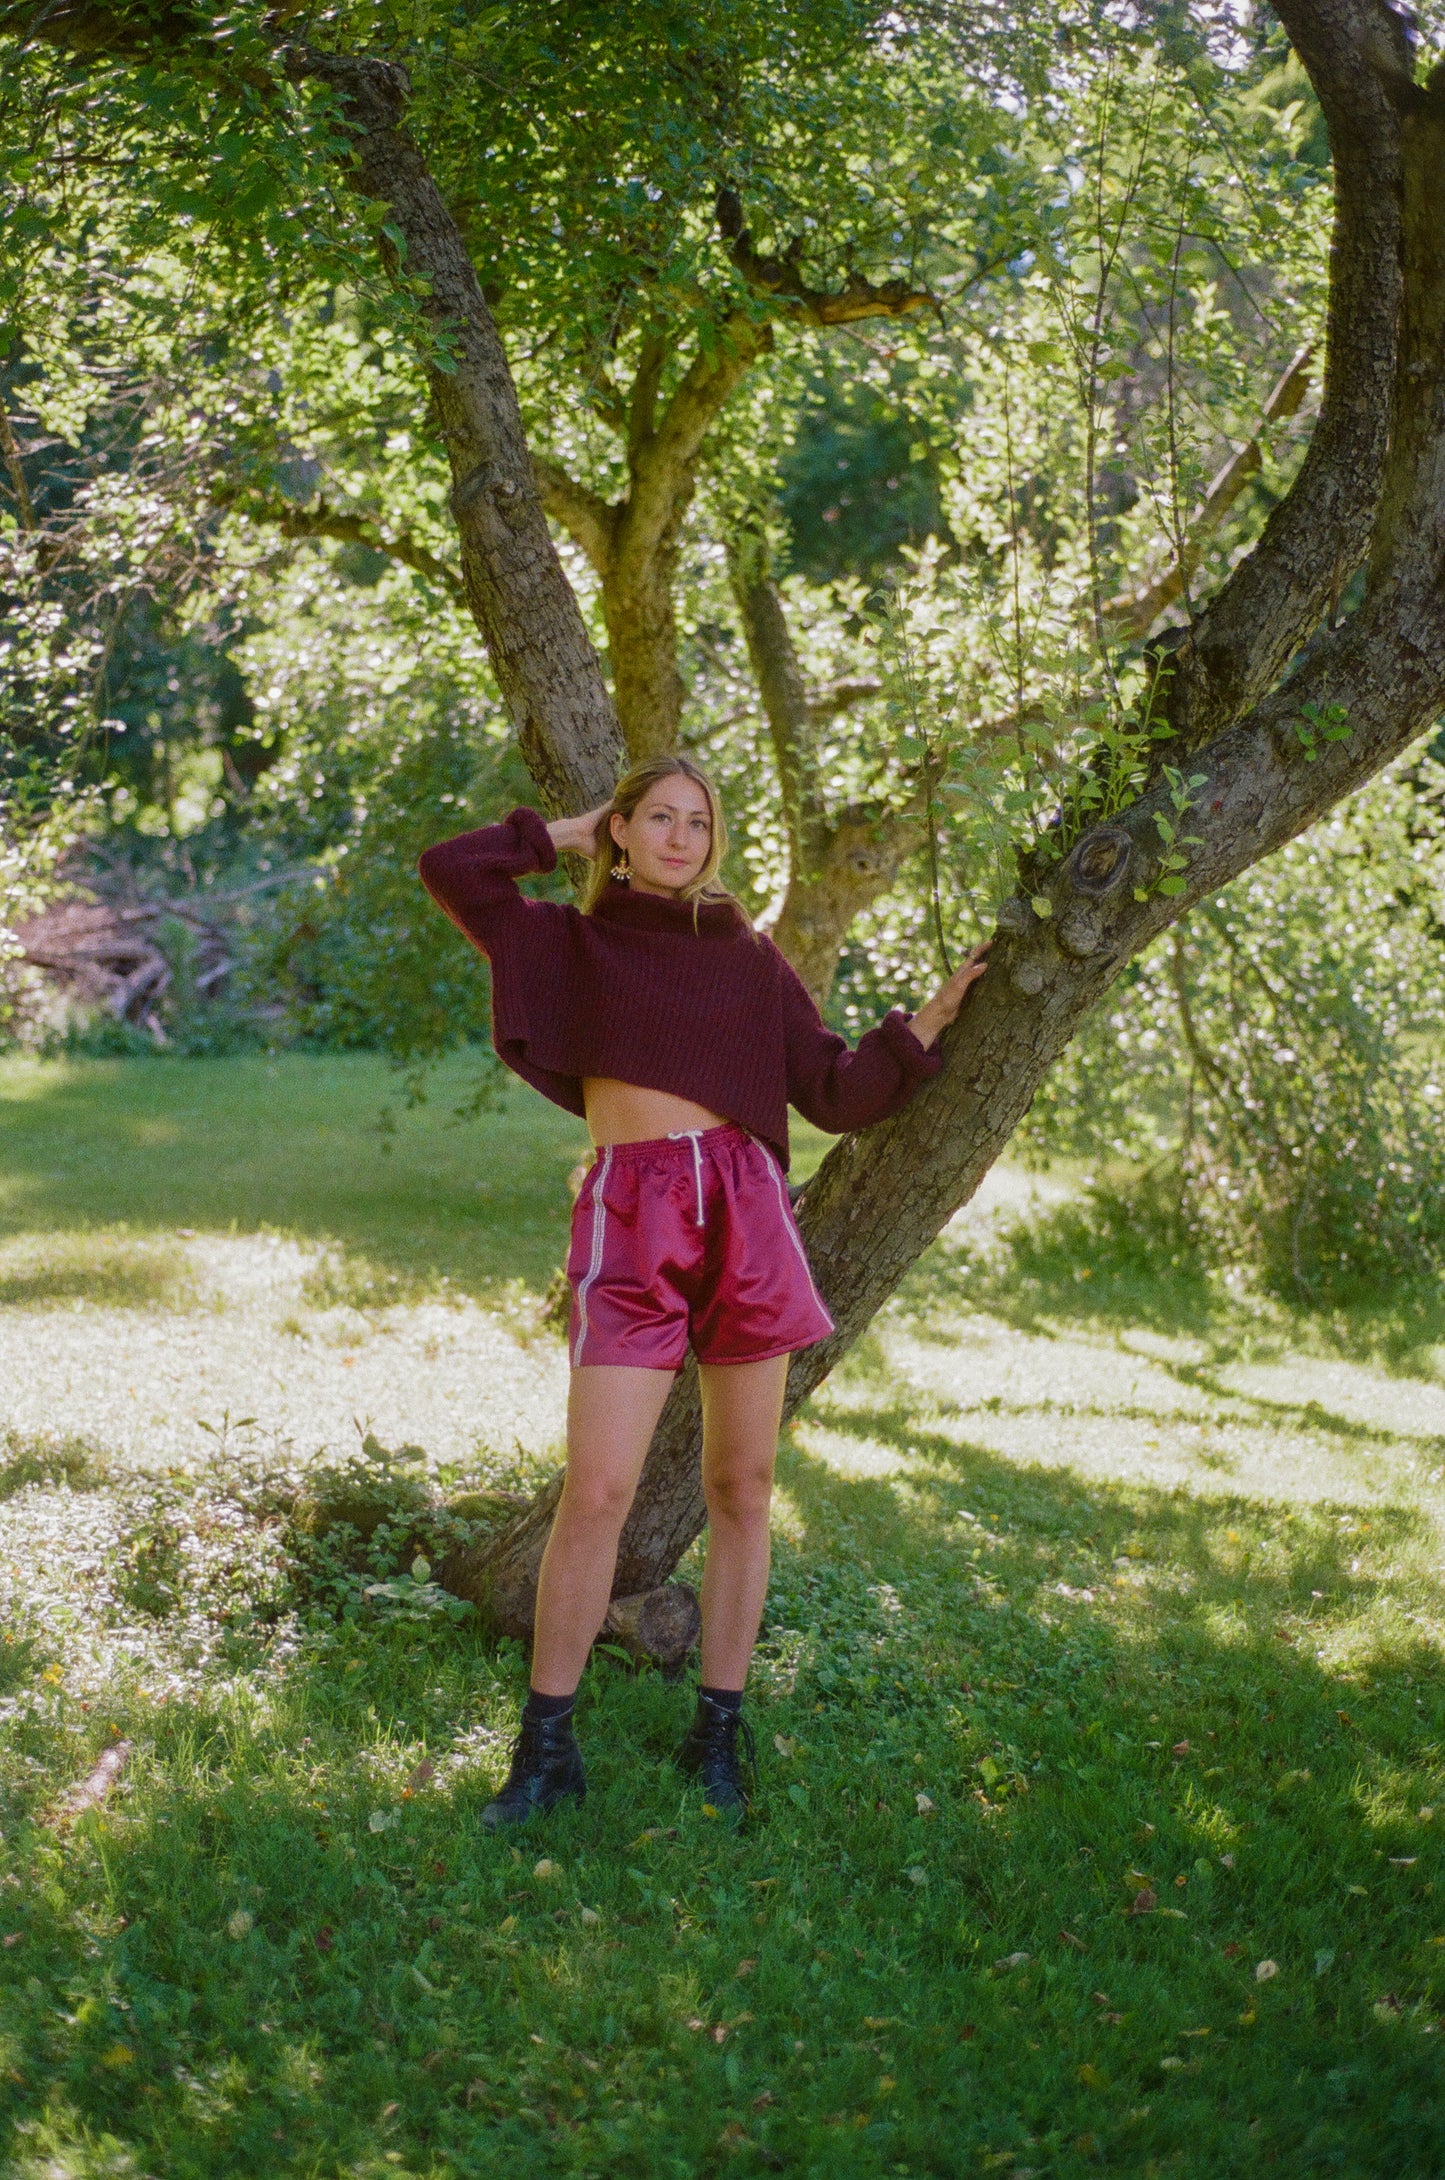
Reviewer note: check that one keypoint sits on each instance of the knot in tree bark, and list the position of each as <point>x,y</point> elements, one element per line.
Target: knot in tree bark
<point>1081,930</point>
<point>491,479</point>
<point>374,92</point>
<point>1100,861</point>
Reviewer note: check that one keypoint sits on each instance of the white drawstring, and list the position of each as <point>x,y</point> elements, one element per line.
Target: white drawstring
<point>692,1136</point>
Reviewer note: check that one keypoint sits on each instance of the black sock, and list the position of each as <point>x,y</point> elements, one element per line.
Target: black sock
<point>538,1707</point>
<point>726,1699</point>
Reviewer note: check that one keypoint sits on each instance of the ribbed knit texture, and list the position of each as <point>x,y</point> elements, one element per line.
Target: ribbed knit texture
<point>639,992</point>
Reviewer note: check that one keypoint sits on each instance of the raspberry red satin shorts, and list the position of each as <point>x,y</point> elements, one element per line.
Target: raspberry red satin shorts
<point>688,1237</point>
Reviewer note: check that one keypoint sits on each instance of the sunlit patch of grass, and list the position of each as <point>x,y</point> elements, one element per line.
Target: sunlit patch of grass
<point>113,1270</point>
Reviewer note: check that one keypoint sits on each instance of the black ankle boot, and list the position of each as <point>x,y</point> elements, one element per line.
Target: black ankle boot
<point>710,1753</point>
<point>546,1769</point>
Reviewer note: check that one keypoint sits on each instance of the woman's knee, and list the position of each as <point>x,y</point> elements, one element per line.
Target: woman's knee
<point>595,1502</point>
<point>740,1495</point>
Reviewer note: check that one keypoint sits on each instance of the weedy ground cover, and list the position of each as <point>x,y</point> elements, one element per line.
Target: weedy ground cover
<point>1099,1710</point>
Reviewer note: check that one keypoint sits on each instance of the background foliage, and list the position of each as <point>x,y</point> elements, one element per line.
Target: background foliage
<point>234,645</point>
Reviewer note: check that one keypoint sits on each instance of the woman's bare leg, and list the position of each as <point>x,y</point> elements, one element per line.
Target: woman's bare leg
<point>742,1406</point>
<point>611,1416</point>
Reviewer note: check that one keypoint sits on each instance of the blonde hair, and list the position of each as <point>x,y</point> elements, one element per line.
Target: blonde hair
<point>626,796</point>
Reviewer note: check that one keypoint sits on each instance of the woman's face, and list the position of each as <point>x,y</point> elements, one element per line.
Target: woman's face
<point>668,836</point>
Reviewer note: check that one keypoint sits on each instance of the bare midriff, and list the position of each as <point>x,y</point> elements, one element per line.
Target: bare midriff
<point>623,1112</point>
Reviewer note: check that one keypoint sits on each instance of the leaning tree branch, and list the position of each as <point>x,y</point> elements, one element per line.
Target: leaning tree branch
<point>781,278</point>
<point>881,1197</point>
<point>1134,612</point>
<point>1357,54</point>
<point>320,520</point>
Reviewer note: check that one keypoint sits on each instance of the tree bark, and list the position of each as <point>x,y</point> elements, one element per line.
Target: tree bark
<point>1356,53</point>
<point>660,1627</point>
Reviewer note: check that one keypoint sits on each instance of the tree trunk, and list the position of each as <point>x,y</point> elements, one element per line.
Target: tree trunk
<point>637,605</point>
<point>856,861</point>
<point>633,542</point>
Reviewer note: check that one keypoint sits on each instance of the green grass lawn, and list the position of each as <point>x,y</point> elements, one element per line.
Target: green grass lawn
<point>290,1144</point>
<point>1099,1711</point>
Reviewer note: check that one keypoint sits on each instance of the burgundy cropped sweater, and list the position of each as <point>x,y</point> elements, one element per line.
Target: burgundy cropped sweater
<point>634,991</point>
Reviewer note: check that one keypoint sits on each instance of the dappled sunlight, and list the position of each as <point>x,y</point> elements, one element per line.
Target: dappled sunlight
<point>268,1364</point>
<point>1110,1403</point>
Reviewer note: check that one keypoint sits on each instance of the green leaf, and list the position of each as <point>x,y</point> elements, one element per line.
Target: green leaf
<point>1171,886</point>
<point>1042,905</point>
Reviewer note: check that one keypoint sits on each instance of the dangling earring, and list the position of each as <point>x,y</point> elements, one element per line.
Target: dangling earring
<point>622,869</point>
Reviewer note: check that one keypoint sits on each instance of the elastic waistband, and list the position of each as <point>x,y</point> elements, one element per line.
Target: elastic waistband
<point>678,1146</point>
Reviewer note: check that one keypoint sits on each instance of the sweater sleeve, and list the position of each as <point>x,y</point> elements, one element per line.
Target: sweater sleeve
<point>839,1089</point>
<point>474,877</point>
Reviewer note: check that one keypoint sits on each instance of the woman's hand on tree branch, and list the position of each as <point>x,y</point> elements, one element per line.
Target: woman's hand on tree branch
<point>936,1013</point>
<point>576,835</point>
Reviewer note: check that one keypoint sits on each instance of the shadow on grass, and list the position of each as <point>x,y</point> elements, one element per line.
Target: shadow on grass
<point>288,1950</point>
<point>45,1458</point>
<point>1224,1549</point>
<point>112,1271</point>
<point>1111,1259</point>
<point>1103,1259</point>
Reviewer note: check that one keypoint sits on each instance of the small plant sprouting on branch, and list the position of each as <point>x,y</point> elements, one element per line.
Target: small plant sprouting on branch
<point>1320,723</point>
<point>1174,862</point>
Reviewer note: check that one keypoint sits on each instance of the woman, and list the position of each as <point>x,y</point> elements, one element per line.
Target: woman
<point>682,1035</point>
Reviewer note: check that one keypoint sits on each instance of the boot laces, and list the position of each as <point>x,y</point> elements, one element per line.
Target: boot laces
<point>722,1731</point>
<point>530,1747</point>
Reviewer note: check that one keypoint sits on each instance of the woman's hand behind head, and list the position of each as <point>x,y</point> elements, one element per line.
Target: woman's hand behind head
<point>577,835</point>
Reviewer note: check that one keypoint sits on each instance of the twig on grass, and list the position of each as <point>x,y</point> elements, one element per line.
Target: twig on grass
<point>96,1786</point>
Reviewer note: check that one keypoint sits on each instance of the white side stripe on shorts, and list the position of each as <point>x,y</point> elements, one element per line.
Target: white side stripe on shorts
<point>793,1235</point>
<point>599,1227</point>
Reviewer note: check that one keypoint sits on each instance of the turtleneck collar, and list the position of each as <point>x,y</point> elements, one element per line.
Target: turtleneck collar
<point>655,912</point>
